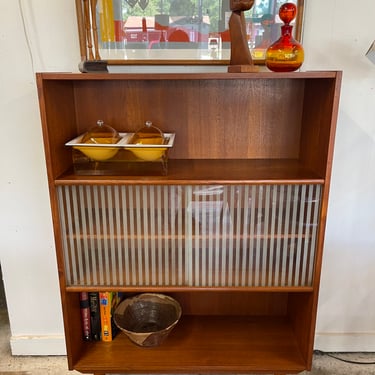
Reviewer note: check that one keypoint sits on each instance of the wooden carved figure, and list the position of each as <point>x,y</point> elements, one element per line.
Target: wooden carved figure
<point>240,58</point>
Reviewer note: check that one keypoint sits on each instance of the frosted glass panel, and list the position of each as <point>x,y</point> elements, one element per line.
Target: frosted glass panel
<point>194,235</point>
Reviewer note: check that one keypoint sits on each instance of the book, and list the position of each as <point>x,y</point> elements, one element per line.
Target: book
<point>108,302</point>
<point>85,315</point>
<point>95,316</point>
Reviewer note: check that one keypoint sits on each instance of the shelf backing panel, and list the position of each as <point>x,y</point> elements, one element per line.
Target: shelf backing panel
<point>237,119</point>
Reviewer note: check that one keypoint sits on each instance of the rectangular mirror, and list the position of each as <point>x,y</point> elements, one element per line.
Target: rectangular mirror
<point>174,31</point>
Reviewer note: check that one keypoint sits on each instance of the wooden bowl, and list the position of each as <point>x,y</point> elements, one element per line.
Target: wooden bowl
<point>148,318</point>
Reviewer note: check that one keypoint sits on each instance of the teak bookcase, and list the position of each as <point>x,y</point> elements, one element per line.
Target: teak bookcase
<point>234,232</point>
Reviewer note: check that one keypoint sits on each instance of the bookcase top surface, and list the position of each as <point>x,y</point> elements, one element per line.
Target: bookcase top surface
<point>186,76</point>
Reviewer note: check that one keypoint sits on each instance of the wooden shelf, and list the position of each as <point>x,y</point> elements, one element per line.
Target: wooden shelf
<point>204,344</point>
<point>196,237</point>
<point>211,171</point>
<point>184,288</point>
<point>185,76</point>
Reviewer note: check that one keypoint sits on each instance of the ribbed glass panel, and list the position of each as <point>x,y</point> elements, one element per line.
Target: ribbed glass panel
<point>195,235</point>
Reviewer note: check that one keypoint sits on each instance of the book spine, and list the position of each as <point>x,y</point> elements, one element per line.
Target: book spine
<point>108,303</point>
<point>95,316</point>
<point>85,315</point>
<point>105,315</point>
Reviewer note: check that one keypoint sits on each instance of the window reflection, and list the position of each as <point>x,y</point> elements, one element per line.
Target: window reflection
<point>180,29</point>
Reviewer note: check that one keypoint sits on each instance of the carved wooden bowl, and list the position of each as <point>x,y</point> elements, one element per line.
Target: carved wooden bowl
<point>148,318</point>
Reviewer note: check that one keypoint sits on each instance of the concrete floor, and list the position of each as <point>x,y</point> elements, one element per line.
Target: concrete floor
<point>323,364</point>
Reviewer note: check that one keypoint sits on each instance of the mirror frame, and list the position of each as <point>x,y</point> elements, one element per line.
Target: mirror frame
<point>89,44</point>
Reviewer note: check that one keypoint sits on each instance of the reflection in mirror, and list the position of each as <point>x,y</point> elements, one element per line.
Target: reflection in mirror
<point>174,31</point>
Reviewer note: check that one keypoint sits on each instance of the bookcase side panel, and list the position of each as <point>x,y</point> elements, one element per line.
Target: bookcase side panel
<point>302,313</point>
<point>73,328</point>
<point>318,124</point>
<point>58,123</point>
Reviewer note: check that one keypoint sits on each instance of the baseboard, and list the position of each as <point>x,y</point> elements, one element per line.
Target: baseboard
<point>37,345</point>
<point>345,342</point>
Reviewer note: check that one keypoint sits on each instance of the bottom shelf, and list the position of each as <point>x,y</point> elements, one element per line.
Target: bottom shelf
<point>204,344</point>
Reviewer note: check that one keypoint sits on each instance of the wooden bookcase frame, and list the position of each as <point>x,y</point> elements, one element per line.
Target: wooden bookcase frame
<point>262,129</point>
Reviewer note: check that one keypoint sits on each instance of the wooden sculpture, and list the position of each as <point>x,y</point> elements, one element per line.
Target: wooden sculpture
<point>240,56</point>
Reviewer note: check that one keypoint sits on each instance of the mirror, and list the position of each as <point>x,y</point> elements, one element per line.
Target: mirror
<point>174,31</point>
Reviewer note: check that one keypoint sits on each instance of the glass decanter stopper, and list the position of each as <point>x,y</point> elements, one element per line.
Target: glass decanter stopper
<point>286,54</point>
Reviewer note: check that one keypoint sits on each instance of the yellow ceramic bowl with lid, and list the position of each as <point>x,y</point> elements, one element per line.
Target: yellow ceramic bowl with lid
<point>151,137</point>
<point>95,144</point>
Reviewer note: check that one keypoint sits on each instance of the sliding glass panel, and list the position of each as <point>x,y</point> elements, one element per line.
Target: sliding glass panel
<point>194,235</point>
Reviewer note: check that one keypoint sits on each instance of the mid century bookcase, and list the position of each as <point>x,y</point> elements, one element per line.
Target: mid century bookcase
<point>234,231</point>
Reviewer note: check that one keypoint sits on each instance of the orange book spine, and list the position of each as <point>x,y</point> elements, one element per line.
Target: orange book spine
<point>106,315</point>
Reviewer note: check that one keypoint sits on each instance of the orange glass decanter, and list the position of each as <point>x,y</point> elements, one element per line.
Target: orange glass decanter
<point>286,54</point>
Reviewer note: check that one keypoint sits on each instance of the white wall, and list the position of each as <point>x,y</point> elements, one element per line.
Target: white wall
<point>27,247</point>
<point>335,37</point>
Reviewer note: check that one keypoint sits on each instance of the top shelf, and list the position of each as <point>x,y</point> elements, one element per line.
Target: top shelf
<point>186,76</point>
<point>230,127</point>
<point>222,171</point>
